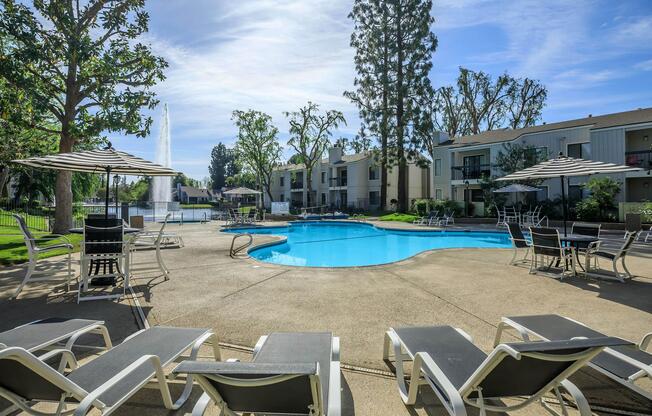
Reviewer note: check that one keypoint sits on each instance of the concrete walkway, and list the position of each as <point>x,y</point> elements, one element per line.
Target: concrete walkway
<point>242,299</point>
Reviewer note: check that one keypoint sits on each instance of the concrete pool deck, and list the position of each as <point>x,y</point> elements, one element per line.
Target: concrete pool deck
<point>242,299</point>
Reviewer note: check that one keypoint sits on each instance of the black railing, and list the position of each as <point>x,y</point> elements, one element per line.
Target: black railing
<point>296,185</point>
<point>639,159</point>
<point>470,172</point>
<point>338,181</point>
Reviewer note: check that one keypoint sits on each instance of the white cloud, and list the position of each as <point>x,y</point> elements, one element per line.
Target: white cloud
<point>645,65</point>
<point>264,55</point>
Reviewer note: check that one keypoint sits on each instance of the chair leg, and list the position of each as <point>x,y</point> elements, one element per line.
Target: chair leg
<point>161,264</point>
<point>628,274</point>
<point>617,274</point>
<point>30,270</point>
<point>513,260</point>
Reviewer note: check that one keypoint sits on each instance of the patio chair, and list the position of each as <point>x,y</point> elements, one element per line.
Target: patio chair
<point>546,244</point>
<point>33,252</point>
<point>291,373</point>
<point>447,219</point>
<point>154,240</point>
<point>105,249</point>
<point>591,230</point>
<point>46,333</point>
<point>500,222</point>
<point>460,373</point>
<point>623,364</point>
<point>648,233</point>
<point>595,252</point>
<point>519,241</point>
<point>251,216</point>
<point>433,219</point>
<point>425,220</point>
<point>633,222</point>
<point>104,382</point>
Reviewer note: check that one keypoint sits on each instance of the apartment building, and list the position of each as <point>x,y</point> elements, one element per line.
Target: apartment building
<point>622,138</point>
<point>345,181</point>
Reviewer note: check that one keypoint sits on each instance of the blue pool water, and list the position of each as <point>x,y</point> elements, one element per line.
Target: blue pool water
<point>332,244</point>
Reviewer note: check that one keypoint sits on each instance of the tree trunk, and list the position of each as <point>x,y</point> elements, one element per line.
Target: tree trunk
<point>63,191</point>
<point>4,178</point>
<point>309,187</point>
<point>385,109</point>
<point>400,151</point>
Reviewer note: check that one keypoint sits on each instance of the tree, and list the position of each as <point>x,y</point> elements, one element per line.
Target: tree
<point>295,159</point>
<point>478,103</point>
<point>373,81</point>
<point>394,46</point>
<point>515,157</point>
<point>603,194</point>
<point>80,63</point>
<point>222,165</point>
<point>310,133</point>
<point>257,147</point>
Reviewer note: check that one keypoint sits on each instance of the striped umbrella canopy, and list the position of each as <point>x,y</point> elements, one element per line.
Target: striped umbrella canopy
<point>105,161</point>
<point>516,188</point>
<point>563,167</point>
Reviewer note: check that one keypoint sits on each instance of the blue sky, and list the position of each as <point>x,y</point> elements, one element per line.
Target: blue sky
<point>275,55</point>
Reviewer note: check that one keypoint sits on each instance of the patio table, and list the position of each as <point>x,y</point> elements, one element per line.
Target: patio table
<point>578,241</point>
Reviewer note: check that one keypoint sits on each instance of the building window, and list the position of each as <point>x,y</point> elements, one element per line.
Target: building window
<point>323,196</point>
<point>438,194</point>
<point>438,167</point>
<point>374,198</point>
<point>373,173</point>
<point>579,150</point>
<point>323,177</point>
<point>282,198</point>
<point>477,195</point>
<point>282,181</point>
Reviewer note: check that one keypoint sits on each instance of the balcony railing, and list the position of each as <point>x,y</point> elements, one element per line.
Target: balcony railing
<point>639,159</point>
<point>338,181</point>
<point>296,185</point>
<point>461,173</point>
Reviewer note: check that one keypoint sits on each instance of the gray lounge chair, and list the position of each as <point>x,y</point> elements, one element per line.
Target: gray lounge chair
<point>461,374</point>
<point>291,373</point>
<point>623,364</point>
<point>104,382</point>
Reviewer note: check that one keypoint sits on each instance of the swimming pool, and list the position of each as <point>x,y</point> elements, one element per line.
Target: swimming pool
<point>333,244</point>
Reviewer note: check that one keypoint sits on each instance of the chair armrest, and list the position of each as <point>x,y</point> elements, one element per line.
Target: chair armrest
<point>68,359</point>
<point>152,361</point>
<point>645,341</point>
<point>593,247</point>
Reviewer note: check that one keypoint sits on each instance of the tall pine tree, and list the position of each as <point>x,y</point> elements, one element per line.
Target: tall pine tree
<point>394,46</point>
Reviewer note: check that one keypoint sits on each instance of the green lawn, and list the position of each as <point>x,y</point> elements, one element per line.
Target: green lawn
<point>409,218</point>
<point>13,250</point>
<point>196,206</point>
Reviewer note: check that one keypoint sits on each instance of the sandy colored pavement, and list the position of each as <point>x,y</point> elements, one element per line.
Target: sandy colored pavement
<point>242,299</point>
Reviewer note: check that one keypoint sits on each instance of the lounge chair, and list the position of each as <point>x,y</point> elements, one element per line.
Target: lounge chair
<point>623,364</point>
<point>595,252</point>
<point>104,382</point>
<point>424,219</point>
<point>291,373</point>
<point>433,219</point>
<point>500,220</point>
<point>461,374</point>
<point>447,219</point>
<point>45,333</point>
<point>546,244</point>
<point>648,233</point>
<point>519,241</point>
<point>151,240</point>
<point>33,252</point>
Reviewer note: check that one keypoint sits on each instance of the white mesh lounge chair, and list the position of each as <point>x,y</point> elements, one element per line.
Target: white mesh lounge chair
<point>447,219</point>
<point>461,374</point>
<point>151,240</point>
<point>647,233</point>
<point>34,250</point>
<point>291,373</point>
<point>623,364</point>
<point>594,252</point>
<point>104,382</point>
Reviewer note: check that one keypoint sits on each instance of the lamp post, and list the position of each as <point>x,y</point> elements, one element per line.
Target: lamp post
<point>466,198</point>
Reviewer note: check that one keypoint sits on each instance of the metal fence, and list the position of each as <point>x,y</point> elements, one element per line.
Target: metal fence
<point>36,217</point>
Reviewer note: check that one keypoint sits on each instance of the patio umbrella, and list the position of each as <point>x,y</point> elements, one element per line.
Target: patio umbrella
<point>516,188</point>
<point>106,160</point>
<point>243,191</point>
<point>563,167</point>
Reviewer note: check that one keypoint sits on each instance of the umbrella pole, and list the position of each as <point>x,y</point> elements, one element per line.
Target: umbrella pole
<point>563,203</point>
<point>106,195</point>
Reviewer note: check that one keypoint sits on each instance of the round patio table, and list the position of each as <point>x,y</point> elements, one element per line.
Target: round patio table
<point>578,241</point>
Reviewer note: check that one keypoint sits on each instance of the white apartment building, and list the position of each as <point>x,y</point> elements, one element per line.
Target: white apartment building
<point>345,181</point>
<point>622,138</point>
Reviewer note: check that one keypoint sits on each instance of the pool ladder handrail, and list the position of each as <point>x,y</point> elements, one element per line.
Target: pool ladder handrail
<point>234,251</point>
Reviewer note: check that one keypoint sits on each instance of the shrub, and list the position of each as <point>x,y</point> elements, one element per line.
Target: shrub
<point>588,210</point>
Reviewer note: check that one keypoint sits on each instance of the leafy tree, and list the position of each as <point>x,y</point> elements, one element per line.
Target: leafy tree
<point>603,195</point>
<point>515,157</point>
<point>310,133</point>
<point>80,63</point>
<point>525,102</point>
<point>295,159</point>
<point>257,147</point>
<point>244,179</point>
<point>222,165</point>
